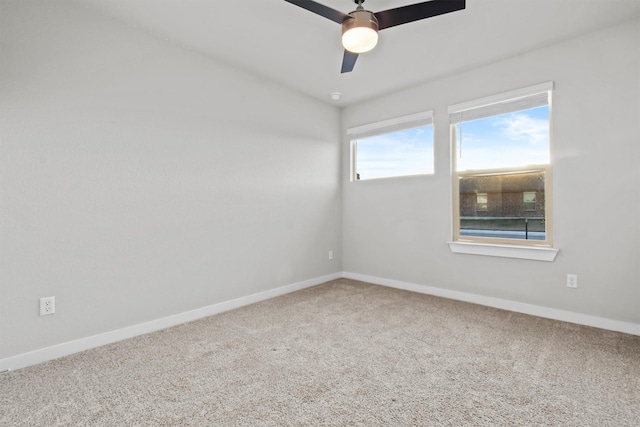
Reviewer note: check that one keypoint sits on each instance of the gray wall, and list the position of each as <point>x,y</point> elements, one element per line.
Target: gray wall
<point>398,228</point>
<point>140,180</point>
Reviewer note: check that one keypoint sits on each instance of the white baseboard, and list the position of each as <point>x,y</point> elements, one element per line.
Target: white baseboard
<point>519,307</point>
<point>67,348</point>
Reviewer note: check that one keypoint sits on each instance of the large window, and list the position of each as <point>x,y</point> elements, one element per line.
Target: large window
<point>396,147</point>
<point>502,168</point>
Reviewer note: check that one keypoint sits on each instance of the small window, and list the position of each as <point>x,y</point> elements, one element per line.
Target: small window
<point>393,148</point>
<point>529,201</point>
<point>501,153</point>
<point>481,202</point>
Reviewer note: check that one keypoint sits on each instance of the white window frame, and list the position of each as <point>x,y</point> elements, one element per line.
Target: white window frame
<point>412,121</point>
<point>488,107</point>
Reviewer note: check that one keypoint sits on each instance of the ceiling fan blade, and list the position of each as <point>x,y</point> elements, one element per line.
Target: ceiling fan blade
<point>415,12</point>
<point>348,61</point>
<point>320,9</point>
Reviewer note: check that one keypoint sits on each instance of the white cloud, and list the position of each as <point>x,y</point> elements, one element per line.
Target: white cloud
<point>521,127</point>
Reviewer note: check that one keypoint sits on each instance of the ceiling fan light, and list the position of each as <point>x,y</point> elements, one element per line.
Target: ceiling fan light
<point>360,33</point>
<point>360,39</point>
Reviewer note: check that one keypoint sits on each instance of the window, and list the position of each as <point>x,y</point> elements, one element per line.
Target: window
<point>529,201</point>
<point>396,147</point>
<point>481,202</point>
<point>501,153</point>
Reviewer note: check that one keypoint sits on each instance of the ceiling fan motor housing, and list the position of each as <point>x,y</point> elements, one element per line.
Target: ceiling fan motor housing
<point>360,21</point>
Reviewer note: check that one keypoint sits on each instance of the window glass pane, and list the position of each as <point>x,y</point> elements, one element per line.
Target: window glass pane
<point>506,216</point>
<point>481,202</point>
<point>504,141</point>
<point>529,201</point>
<point>502,168</point>
<point>406,152</point>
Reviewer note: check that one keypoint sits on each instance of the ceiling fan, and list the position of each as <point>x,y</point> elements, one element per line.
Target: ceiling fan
<point>360,27</point>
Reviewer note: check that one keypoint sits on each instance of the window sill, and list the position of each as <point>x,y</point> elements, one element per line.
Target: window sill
<point>505,251</point>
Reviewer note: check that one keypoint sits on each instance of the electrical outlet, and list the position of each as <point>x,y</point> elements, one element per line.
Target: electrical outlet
<point>330,254</point>
<point>572,281</point>
<point>47,306</point>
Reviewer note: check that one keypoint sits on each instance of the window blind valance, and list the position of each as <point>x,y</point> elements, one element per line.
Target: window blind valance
<point>392,125</point>
<point>504,103</point>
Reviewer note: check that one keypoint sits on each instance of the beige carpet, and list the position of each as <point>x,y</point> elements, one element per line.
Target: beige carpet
<point>343,353</point>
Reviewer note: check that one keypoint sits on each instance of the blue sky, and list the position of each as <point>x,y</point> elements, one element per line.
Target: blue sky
<point>408,152</point>
<point>508,140</point>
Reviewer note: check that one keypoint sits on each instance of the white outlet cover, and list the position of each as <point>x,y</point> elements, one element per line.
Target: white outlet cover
<point>47,306</point>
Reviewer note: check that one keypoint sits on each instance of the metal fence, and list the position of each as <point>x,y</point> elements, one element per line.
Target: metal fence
<point>528,228</point>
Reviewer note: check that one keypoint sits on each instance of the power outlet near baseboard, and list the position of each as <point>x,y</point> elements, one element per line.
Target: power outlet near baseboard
<point>47,306</point>
<point>572,281</point>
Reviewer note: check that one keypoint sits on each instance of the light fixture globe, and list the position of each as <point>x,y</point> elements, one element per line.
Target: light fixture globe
<point>360,32</point>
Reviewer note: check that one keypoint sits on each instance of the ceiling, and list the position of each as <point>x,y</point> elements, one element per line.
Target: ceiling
<point>299,49</point>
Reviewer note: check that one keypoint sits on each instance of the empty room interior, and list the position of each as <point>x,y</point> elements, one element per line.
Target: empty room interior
<point>215,213</point>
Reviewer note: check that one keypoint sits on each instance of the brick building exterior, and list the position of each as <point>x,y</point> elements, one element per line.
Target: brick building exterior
<point>517,195</point>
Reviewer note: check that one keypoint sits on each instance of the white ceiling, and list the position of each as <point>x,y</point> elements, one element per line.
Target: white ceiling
<point>302,50</point>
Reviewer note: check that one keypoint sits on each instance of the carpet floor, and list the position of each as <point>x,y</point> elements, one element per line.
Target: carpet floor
<point>344,353</point>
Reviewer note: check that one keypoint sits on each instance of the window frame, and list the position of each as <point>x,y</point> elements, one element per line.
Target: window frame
<point>470,244</point>
<point>384,127</point>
